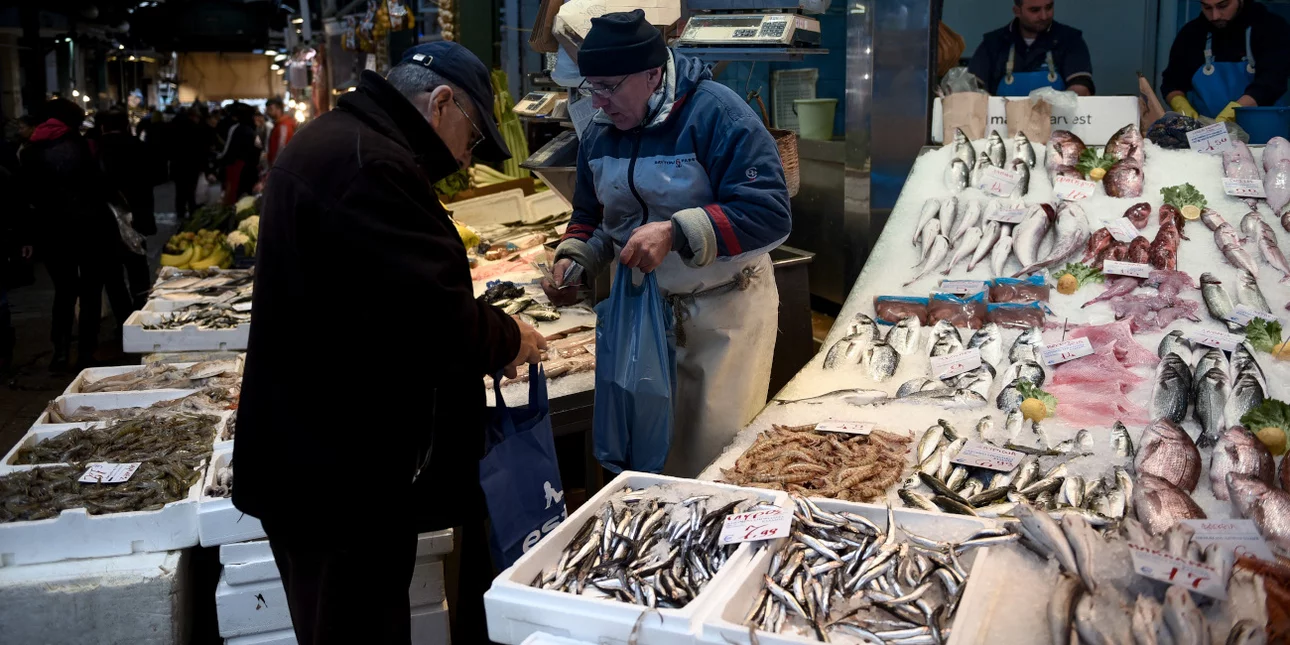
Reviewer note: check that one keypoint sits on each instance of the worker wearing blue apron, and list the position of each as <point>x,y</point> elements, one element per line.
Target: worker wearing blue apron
<point>1236,53</point>
<point>1031,52</point>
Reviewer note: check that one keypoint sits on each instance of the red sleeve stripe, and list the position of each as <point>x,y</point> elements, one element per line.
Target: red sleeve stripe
<point>723,226</point>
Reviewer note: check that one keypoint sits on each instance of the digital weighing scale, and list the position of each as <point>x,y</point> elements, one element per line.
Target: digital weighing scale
<point>753,23</point>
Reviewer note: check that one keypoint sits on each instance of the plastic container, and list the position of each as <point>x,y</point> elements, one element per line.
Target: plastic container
<point>1263,123</point>
<point>516,610</point>
<point>815,118</point>
<point>137,340</point>
<point>218,521</point>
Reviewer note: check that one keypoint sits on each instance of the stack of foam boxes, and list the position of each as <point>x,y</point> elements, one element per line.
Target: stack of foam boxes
<point>251,604</point>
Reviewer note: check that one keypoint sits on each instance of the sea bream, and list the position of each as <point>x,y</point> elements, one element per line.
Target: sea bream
<point>1063,149</point>
<point>1239,451</point>
<point>1124,179</point>
<point>1127,143</point>
<point>903,336</point>
<point>1269,507</point>
<point>996,150</point>
<point>1160,505</point>
<point>1072,233</point>
<point>989,341</point>
<point>956,175</point>
<point>1023,150</point>
<point>1167,451</point>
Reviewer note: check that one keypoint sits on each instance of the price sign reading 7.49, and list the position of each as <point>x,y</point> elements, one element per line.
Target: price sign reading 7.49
<point>757,525</point>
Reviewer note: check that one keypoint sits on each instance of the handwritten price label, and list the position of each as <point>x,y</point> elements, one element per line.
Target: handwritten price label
<point>1180,572</point>
<point>1235,537</point>
<point>1211,139</point>
<point>998,181</point>
<point>967,287</point>
<point>242,306</point>
<point>756,526</point>
<point>1243,314</point>
<point>954,364</point>
<point>1121,229</point>
<point>1132,269</point>
<point>979,454</point>
<point>1072,189</point>
<point>1007,215</point>
<point>1215,338</point>
<point>102,472</point>
<point>1244,188</point>
<point>845,427</point>
<point>1067,351</point>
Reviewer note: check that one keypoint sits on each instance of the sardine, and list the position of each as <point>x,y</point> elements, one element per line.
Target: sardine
<point>1217,300</point>
<point>963,149</point>
<point>956,175</point>
<point>1030,234</point>
<point>966,247</point>
<point>1023,178</point>
<point>1167,451</point>
<point>935,257</point>
<point>971,218</point>
<point>882,360</point>
<point>1120,440</point>
<point>1160,505</point>
<point>1072,234</point>
<point>1248,293</point>
<point>944,330</point>
<point>1023,150</point>
<point>999,254</point>
<point>903,336</point>
<point>1172,389</point>
<point>989,236</point>
<point>930,209</point>
<point>1211,398</point>
<point>989,340</point>
<point>1239,451</point>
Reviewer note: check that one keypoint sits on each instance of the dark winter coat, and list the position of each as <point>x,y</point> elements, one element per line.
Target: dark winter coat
<point>62,184</point>
<point>122,158</point>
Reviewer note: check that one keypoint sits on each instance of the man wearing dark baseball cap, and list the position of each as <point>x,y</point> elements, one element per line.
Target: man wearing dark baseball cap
<point>361,275</point>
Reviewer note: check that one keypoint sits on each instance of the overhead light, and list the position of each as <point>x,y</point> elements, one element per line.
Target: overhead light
<point>86,98</point>
<point>297,31</point>
<point>67,40</point>
<point>280,57</point>
<point>275,66</point>
<point>350,89</point>
<point>298,21</point>
<point>281,71</point>
<point>76,93</point>
<point>120,46</point>
<point>270,52</point>
<point>131,59</point>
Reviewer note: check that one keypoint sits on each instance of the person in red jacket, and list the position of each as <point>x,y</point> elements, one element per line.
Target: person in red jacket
<point>284,127</point>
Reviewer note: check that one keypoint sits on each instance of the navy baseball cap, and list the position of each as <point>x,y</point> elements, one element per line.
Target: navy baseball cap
<point>458,65</point>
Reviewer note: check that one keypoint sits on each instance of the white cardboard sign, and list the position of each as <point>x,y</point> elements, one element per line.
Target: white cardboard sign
<point>962,287</point>
<point>1072,189</point>
<point>1244,188</point>
<point>1121,229</point>
<point>978,454</point>
<point>998,181</point>
<point>1131,269</point>
<point>102,472</point>
<point>1162,566</point>
<point>1215,338</point>
<point>756,526</point>
<point>1236,537</point>
<point>1007,215</point>
<point>957,363</point>
<point>845,427</point>
<point>1070,350</point>
<point>1243,314</point>
<point>1211,139</point>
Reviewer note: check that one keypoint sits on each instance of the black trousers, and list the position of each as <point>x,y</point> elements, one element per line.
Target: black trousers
<point>85,279</point>
<point>138,277</point>
<point>185,191</point>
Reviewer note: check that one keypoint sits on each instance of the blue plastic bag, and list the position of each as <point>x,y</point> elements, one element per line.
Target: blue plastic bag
<point>520,474</point>
<point>635,376</point>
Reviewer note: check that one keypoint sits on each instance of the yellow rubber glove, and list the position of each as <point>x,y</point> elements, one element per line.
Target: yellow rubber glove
<point>1181,105</point>
<point>1229,112</point>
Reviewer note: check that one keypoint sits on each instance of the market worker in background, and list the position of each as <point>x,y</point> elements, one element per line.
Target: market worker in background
<point>358,430</point>
<point>1033,51</point>
<point>676,175</point>
<point>1236,53</point>
<point>284,127</point>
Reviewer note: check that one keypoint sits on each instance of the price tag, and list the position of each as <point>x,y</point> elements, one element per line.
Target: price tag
<point>1072,189</point>
<point>1211,139</point>
<point>1162,566</point>
<point>102,472</point>
<point>591,348</point>
<point>756,526</point>
<point>1215,338</point>
<point>962,287</point>
<point>1121,229</point>
<point>1132,269</point>
<point>845,427</point>
<point>979,454</point>
<point>1244,188</point>
<point>242,306</point>
<point>998,181</point>
<point>1235,537</point>
<point>1243,314</point>
<point>369,63</point>
<point>1067,351</point>
<point>1008,215</point>
<point>956,363</point>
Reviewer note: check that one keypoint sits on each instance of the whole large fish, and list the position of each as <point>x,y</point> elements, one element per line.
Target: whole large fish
<point>1172,389</point>
<point>1126,144</point>
<point>1063,149</point>
<point>935,257</point>
<point>1217,300</point>
<point>1149,626</point>
<point>930,209</point>
<point>882,360</point>
<point>930,230</point>
<point>1276,185</point>
<point>971,217</point>
<point>1103,617</point>
<point>1024,151</point>
<point>1269,507</point>
<point>1249,226</point>
<point>1272,253</point>
<point>949,212</point>
<point>1167,451</point>
<point>989,340</point>
<point>1072,233</point>
<point>1243,361</point>
<point>1210,358</point>
<point>982,163</point>
<point>1186,622</point>
<point>989,236</point>
<point>1020,167</point>
<point>903,336</point>
<point>1276,149</point>
<point>1124,179</point>
<point>1246,394</point>
<point>1238,163</point>
<point>1211,218</point>
<point>1211,399</point>
<point>1239,451</point>
<point>966,247</point>
<point>963,149</point>
<point>1160,505</point>
<point>1225,235</point>
<point>1000,253</point>
<point>1248,293</point>
<point>1240,258</point>
<point>1029,235</point>
<point>956,175</point>
<point>996,150</point>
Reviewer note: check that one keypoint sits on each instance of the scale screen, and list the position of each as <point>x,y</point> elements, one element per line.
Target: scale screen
<point>730,21</point>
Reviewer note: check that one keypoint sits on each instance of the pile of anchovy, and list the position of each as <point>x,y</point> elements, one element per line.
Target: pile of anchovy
<point>838,567</point>
<point>801,460</point>
<point>211,399</point>
<point>155,376</point>
<point>643,550</point>
<point>965,490</point>
<point>206,282</point>
<point>185,437</point>
<point>206,316</point>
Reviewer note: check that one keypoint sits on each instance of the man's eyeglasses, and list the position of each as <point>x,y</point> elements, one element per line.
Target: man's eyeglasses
<point>478,137</point>
<point>601,92</point>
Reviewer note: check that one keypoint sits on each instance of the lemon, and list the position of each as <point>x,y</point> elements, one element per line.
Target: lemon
<point>1067,284</point>
<point>1282,350</point>
<point>1034,409</point>
<point>1191,212</point>
<point>1097,174</point>
<point>1274,438</point>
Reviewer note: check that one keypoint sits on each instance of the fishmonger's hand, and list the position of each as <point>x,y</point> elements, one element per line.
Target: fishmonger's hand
<point>560,293</point>
<point>648,246</point>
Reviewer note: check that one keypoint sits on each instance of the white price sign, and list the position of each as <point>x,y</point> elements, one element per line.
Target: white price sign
<point>101,472</point>
<point>1244,188</point>
<point>845,427</point>
<point>1211,139</point>
<point>1072,189</point>
<point>756,526</point>
<point>954,364</point>
<point>1131,269</point>
<point>1243,314</point>
<point>979,454</point>
<point>998,181</point>
<point>1066,351</point>
<point>1121,229</point>
<point>1235,537</point>
<point>1007,215</point>
<point>1162,566</point>
<point>967,287</point>
<point>1215,338</point>
<point>242,306</point>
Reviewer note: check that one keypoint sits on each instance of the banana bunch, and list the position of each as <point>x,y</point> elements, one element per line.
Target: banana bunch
<point>202,249</point>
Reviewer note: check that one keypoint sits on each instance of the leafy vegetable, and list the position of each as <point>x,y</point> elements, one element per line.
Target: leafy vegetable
<point>1270,413</point>
<point>1263,335</point>
<point>453,184</point>
<point>1029,390</point>
<point>1184,195</point>
<point>1090,160</point>
<point>1084,273</point>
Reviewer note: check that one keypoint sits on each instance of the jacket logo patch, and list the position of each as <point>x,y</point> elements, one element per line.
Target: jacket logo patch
<point>677,161</point>
<point>751,173</point>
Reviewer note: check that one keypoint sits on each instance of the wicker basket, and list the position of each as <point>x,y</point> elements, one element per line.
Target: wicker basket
<point>786,142</point>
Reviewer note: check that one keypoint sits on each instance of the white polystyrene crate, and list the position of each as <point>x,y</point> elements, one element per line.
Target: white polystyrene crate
<point>498,208</point>
<point>41,432</point>
<point>218,521</point>
<point>93,374</point>
<point>75,533</point>
<point>276,637</point>
<point>430,624</point>
<point>68,403</point>
<point>136,339</point>
<point>251,608</point>
<point>722,622</point>
<point>547,203</point>
<point>516,610</point>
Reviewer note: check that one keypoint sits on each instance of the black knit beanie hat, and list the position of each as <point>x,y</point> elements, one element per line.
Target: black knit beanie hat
<point>620,44</point>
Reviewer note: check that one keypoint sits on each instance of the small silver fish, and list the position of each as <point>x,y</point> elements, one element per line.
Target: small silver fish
<point>930,209</point>
<point>989,237</point>
<point>1217,300</point>
<point>1000,253</point>
<point>903,336</point>
<point>835,396</point>
<point>966,247</point>
<point>1022,169</point>
<point>1120,441</point>
<point>956,175</point>
<point>989,341</point>
<point>928,235</point>
<point>971,217</point>
<point>882,360</point>
<point>1185,620</point>
<point>1248,293</point>
<point>996,150</point>
<point>935,257</point>
<point>963,149</point>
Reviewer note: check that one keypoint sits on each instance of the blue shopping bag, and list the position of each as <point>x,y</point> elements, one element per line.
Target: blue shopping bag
<point>520,474</point>
<point>635,376</point>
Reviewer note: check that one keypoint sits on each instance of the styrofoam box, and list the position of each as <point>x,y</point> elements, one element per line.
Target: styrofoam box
<point>77,534</point>
<point>218,521</point>
<point>516,610</point>
<point>93,374</point>
<point>136,339</point>
<point>722,622</point>
<point>41,432</point>
<point>498,208</point>
<point>68,403</point>
<point>429,627</point>
<point>547,203</point>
